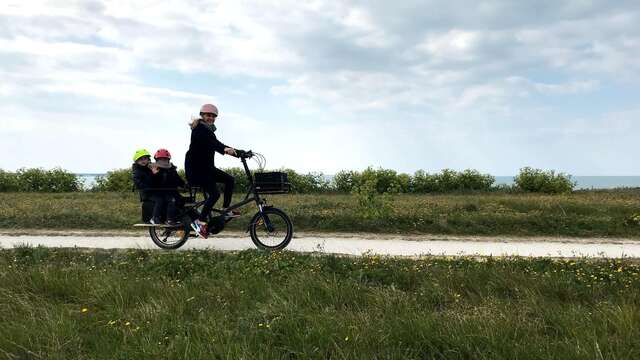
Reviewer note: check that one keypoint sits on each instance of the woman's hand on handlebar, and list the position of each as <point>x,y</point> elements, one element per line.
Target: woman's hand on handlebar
<point>230,151</point>
<point>244,154</point>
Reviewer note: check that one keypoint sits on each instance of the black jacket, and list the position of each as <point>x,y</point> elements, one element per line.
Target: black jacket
<point>143,180</point>
<point>168,179</point>
<point>199,161</point>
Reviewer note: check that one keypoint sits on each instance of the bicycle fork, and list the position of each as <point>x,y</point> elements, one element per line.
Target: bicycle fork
<point>262,219</point>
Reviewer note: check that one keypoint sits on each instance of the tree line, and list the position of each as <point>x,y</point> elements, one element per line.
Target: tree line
<point>382,181</point>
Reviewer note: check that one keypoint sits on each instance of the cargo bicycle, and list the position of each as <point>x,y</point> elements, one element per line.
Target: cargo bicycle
<point>270,228</point>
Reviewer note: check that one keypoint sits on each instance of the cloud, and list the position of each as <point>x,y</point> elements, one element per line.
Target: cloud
<point>453,45</point>
<point>350,68</point>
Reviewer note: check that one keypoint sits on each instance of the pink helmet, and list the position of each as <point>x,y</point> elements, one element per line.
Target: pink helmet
<point>209,108</point>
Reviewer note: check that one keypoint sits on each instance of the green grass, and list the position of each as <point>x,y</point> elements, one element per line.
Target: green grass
<point>589,214</point>
<point>71,304</point>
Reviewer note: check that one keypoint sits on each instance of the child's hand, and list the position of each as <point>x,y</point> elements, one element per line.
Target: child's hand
<point>154,168</point>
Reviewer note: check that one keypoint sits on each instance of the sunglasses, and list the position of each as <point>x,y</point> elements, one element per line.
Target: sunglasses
<point>209,114</point>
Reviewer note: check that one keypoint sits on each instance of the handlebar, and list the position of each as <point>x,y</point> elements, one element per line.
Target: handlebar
<point>244,154</point>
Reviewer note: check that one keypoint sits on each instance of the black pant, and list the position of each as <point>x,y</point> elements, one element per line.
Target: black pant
<point>162,201</point>
<point>211,190</point>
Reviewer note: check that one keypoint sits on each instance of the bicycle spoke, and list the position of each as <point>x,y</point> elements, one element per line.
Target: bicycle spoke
<point>271,230</point>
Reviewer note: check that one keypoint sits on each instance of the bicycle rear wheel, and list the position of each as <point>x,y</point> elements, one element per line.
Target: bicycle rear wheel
<point>271,229</point>
<point>171,238</point>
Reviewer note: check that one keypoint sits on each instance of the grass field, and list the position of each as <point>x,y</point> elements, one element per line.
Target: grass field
<point>602,214</point>
<point>73,304</point>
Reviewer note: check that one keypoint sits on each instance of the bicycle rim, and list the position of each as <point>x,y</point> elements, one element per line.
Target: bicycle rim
<point>271,230</point>
<point>169,238</point>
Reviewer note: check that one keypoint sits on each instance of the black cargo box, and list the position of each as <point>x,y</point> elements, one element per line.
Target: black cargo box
<point>272,182</point>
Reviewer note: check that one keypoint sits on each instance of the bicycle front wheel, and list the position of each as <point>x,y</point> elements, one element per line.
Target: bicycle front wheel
<point>271,229</point>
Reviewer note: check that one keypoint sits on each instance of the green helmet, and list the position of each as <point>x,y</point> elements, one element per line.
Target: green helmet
<point>140,153</point>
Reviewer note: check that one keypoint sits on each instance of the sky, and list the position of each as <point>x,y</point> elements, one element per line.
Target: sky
<point>325,86</point>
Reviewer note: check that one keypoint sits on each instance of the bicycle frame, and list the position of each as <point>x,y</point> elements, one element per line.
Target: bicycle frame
<point>260,219</point>
<point>247,199</point>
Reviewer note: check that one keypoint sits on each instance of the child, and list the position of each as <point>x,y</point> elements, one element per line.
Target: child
<point>167,181</point>
<point>143,180</point>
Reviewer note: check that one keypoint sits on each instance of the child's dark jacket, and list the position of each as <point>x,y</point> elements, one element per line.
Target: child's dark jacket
<point>168,180</point>
<point>143,180</point>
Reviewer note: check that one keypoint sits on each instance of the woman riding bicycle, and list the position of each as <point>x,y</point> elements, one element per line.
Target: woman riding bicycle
<point>200,165</point>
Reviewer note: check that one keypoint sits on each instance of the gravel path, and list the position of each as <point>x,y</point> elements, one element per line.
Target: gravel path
<point>357,244</point>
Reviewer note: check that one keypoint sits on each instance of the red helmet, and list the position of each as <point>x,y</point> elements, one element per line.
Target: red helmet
<point>162,153</point>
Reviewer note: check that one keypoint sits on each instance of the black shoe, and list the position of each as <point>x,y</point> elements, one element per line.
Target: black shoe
<point>172,223</point>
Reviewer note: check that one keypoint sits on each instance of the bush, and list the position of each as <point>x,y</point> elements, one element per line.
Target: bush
<point>473,180</point>
<point>404,182</point>
<point>371,203</point>
<point>305,184</point>
<point>536,180</point>
<point>447,181</point>
<point>39,180</point>
<point>115,180</point>
<point>242,184</point>
<point>382,180</point>
<point>422,182</point>
<point>8,181</point>
<point>345,181</point>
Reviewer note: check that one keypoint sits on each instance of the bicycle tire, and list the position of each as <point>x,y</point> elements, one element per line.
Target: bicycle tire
<point>160,235</point>
<point>276,218</point>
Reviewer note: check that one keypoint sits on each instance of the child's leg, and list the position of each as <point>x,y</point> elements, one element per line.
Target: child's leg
<point>158,207</point>
<point>171,208</point>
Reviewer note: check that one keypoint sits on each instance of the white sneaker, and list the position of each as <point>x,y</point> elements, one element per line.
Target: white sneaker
<point>196,227</point>
<point>231,214</point>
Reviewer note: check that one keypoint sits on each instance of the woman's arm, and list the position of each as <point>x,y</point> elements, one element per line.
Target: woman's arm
<point>205,140</point>
<point>219,146</point>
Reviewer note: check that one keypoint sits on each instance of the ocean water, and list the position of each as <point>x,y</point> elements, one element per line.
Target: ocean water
<point>88,180</point>
<point>584,182</point>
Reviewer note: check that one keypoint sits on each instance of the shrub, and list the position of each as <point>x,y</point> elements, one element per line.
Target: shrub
<point>372,204</point>
<point>537,180</point>
<point>345,181</point>
<point>8,181</point>
<point>447,181</point>
<point>422,182</point>
<point>473,180</point>
<point>120,180</point>
<point>242,184</point>
<point>115,180</point>
<point>40,180</point>
<point>404,182</point>
<point>383,180</point>
<point>309,183</point>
